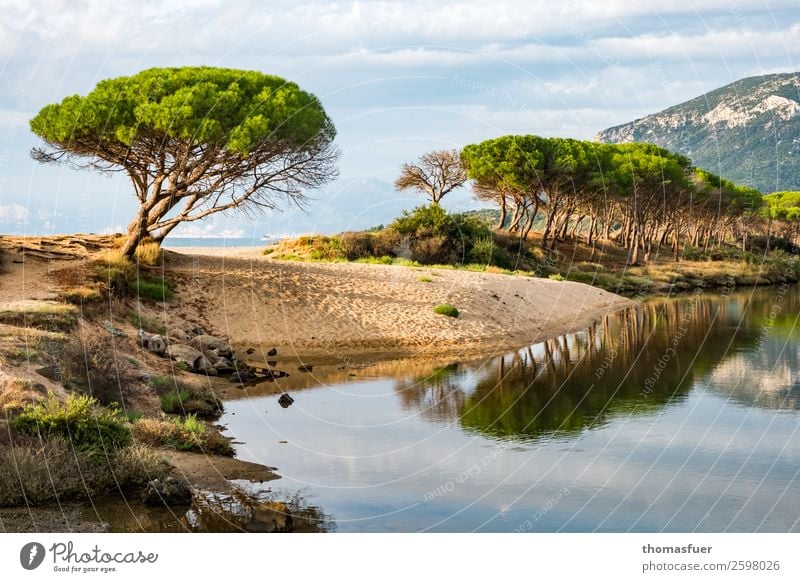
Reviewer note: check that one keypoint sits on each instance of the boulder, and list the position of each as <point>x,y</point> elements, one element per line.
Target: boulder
<point>212,356</point>
<point>152,342</point>
<point>208,342</point>
<point>285,400</point>
<point>223,364</point>
<point>184,354</point>
<point>168,491</point>
<point>179,334</point>
<point>204,366</point>
<point>157,345</point>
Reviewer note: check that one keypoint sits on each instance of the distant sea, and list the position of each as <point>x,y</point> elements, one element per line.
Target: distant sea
<point>216,242</point>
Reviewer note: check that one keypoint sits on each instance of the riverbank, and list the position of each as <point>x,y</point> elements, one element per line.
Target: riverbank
<point>342,320</point>
<point>342,309</point>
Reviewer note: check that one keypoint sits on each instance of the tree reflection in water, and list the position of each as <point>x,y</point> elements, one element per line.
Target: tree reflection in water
<point>632,362</point>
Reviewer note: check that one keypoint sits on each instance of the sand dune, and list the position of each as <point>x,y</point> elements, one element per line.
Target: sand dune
<point>340,308</point>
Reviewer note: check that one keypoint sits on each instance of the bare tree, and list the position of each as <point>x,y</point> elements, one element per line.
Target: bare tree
<point>436,173</point>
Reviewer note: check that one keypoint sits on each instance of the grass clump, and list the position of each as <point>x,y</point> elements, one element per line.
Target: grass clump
<point>148,253</point>
<point>155,289</point>
<point>147,324</point>
<point>79,419</point>
<point>39,471</point>
<point>172,401</point>
<point>178,397</point>
<point>82,295</point>
<point>446,309</point>
<point>121,276</point>
<point>47,315</point>
<point>424,279</point>
<point>382,260</point>
<point>91,365</point>
<point>16,393</point>
<point>559,277</point>
<point>182,434</point>
<point>116,271</point>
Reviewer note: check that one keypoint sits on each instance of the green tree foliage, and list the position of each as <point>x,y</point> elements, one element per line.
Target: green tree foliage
<point>194,141</point>
<point>783,211</point>
<point>641,195</point>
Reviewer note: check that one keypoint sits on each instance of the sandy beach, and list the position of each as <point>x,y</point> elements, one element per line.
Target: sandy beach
<point>345,308</point>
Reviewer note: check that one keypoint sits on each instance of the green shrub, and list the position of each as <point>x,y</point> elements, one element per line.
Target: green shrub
<point>431,218</point>
<point>79,419</point>
<point>446,309</point>
<point>483,251</point>
<point>355,245</point>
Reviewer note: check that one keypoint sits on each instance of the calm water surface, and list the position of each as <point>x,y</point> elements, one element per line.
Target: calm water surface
<point>677,415</point>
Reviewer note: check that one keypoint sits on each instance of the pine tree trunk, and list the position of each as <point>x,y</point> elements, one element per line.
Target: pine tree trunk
<point>137,232</point>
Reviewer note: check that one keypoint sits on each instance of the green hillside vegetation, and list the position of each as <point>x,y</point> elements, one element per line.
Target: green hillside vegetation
<point>747,131</point>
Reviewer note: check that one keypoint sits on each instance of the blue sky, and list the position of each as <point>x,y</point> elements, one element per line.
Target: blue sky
<point>398,79</point>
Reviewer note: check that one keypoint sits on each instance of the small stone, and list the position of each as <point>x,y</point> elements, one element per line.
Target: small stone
<point>199,330</point>
<point>285,400</point>
<point>242,377</point>
<point>272,352</point>
<point>250,351</point>
<point>305,367</point>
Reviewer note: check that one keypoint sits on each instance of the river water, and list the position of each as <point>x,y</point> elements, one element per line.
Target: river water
<point>676,415</point>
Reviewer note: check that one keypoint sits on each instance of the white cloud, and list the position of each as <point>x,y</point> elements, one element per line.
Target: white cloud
<point>720,45</point>
<point>13,213</point>
<point>207,229</point>
<point>386,71</point>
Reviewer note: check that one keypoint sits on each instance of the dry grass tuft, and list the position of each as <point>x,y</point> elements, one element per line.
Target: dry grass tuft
<point>186,434</point>
<point>93,366</point>
<point>35,472</point>
<point>149,253</point>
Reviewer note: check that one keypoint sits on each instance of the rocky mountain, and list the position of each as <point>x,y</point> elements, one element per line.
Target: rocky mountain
<point>748,131</point>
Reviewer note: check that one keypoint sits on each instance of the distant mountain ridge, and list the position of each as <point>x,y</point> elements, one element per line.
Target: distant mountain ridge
<point>747,131</point>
